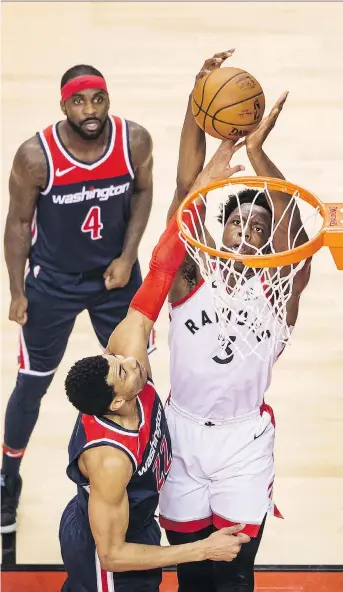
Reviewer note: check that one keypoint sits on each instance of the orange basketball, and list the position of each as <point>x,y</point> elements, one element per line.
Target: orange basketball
<point>228,103</point>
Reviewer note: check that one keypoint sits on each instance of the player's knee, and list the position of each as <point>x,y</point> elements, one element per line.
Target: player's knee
<point>30,389</point>
<point>238,575</point>
<point>197,576</point>
<point>231,577</point>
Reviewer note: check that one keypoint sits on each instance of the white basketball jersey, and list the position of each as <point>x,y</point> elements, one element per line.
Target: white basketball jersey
<point>209,379</point>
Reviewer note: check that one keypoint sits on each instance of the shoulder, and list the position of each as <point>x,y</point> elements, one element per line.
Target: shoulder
<point>140,143</point>
<point>30,161</point>
<point>107,462</point>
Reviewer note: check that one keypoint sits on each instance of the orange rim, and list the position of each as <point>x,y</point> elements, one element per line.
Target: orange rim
<point>330,235</point>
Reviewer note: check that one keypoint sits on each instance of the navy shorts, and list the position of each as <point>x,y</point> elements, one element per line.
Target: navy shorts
<point>82,563</point>
<point>54,301</point>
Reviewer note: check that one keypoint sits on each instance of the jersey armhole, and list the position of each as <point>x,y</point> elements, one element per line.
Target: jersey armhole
<point>188,296</point>
<point>48,159</point>
<point>114,444</point>
<point>126,147</point>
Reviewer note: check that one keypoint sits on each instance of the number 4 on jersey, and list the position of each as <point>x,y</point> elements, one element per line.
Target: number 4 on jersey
<point>92,223</point>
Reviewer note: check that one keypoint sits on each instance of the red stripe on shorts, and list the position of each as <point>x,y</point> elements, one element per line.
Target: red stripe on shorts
<point>251,530</point>
<point>191,526</point>
<point>21,359</point>
<point>104,581</point>
<point>268,409</point>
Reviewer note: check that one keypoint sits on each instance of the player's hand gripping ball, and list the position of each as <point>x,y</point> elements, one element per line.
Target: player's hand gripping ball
<point>228,103</point>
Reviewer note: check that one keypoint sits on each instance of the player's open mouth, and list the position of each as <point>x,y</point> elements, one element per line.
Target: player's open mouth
<point>241,249</point>
<point>91,125</point>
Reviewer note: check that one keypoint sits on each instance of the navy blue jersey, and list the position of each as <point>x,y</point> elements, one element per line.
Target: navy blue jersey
<point>83,212</point>
<point>148,448</point>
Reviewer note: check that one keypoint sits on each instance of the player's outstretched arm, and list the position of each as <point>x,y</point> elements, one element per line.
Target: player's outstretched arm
<point>118,272</point>
<point>130,337</point>
<point>192,150</point>
<point>28,175</point>
<point>109,471</point>
<point>264,167</point>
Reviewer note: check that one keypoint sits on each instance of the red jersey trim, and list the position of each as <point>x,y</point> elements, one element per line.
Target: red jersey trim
<point>115,444</point>
<point>49,163</point>
<point>110,425</point>
<point>189,295</point>
<point>78,163</point>
<point>126,147</point>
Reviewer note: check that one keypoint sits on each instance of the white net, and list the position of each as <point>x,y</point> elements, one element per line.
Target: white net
<point>251,304</point>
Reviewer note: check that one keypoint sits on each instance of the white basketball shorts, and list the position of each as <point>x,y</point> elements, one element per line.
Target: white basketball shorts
<point>222,473</point>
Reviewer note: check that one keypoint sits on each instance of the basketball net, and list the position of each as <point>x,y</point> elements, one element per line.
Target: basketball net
<point>250,287</point>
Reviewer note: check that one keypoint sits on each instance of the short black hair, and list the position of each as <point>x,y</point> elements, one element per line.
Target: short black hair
<point>79,70</point>
<point>86,386</point>
<point>244,196</point>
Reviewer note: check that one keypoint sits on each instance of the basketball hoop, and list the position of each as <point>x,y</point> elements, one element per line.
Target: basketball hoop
<point>250,292</point>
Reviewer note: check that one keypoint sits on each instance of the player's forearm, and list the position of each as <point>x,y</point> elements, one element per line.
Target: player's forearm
<point>131,557</point>
<point>140,212</point>
<point>264,167</point>
<point>192,153</point>
<point>262,164</point>
<point>17,243</point>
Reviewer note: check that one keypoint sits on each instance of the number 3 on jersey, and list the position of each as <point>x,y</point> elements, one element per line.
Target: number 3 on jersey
<point>92,223</point>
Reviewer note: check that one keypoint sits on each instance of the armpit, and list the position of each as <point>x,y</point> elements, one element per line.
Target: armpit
<point>189,272</point>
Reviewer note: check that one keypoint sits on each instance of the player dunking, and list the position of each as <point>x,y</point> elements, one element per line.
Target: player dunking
<point>120,453</point>
<point>222,432</point>
<point>83,187</point>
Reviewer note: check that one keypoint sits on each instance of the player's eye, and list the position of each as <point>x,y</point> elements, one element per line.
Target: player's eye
<point>258,229</point>
<point>236,222</point>
<point>99,99</point>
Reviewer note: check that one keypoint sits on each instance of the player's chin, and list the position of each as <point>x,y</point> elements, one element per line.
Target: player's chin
<point>90,135</point>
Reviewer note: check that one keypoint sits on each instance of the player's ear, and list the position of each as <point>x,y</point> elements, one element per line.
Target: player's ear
<point>117,403</point>
<point>63,109</point>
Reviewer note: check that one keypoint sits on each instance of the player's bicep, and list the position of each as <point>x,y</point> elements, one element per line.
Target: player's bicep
<point>108,506</point>
<point>27,175</point>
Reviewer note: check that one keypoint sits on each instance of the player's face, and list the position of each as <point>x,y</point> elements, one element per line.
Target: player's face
<point>87,112</point>
<point>255,221</point>
<point>127,376</point>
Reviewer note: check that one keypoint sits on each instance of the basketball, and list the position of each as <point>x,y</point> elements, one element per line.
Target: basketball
<point>228,103</point>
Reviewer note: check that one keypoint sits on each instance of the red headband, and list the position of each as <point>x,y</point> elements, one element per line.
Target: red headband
<point>81,83</point>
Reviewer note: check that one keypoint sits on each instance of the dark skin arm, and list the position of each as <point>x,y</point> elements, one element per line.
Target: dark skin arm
<point>28,176</point>
<point>191,176</point>
<point>264,167</point>
<point>192,150</point>
<point>118,272</point>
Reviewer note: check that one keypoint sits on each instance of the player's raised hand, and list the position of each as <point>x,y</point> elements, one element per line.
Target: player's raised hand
<point>18,309</point>
<point>256,138</point>
<point>219,167</point>
<point>225,544</point>
<point>213,63</point>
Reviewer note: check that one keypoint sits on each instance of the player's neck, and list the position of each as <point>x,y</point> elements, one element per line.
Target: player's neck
<point>127,416</point>
<point>78,146</point>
